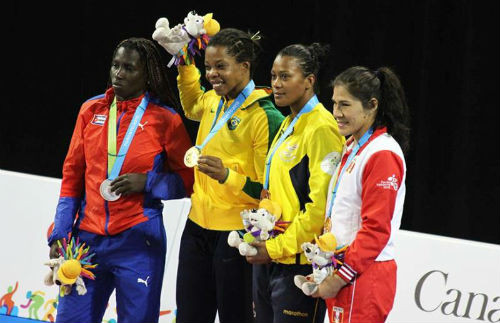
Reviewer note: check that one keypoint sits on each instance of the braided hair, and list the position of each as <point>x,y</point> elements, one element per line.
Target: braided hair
<point>309,58</point>
<point>384,85</point>
<point>244,47</point>
<point>157,83</point>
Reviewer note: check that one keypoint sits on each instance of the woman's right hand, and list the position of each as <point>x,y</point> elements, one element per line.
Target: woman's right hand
<point>53,253</point>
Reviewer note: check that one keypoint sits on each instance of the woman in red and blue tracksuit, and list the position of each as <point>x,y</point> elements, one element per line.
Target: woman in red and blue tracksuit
<point>126,235</point>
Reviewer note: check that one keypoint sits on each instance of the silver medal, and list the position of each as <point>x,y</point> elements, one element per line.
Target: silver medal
<point>106,193</point>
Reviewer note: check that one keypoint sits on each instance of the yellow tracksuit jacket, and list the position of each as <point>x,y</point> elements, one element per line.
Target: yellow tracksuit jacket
<point>242,146</point>
<point>299,175</point>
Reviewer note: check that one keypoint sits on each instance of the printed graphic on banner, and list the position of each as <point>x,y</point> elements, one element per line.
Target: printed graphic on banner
<point>39,305</point>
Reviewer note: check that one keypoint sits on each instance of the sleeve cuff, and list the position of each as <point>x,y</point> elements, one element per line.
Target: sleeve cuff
<point>272,249</point>
<point>188,73</point>
<point>234,180</point>
<point>347,273</point>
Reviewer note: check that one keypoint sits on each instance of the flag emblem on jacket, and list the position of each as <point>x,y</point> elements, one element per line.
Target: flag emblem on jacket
<point>98,119</point>
<point>233,123</point>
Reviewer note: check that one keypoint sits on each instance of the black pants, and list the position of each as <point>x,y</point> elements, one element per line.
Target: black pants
<point>278,300</point>
<point>212,276</point>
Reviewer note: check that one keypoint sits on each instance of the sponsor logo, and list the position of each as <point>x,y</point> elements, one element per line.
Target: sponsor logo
<point>142,281</point>
<point>330,162</point>
<point>142,125</point>
<point>295,313</point>
<point>451,301</point>
<point>391,182</point>
<point>98,119</point>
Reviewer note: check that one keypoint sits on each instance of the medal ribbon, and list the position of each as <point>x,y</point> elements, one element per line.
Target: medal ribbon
<point>112,136</point>
<point>228,113</point>
<point>364,139</point>
<point>115,162</point>
<point>305,109</point>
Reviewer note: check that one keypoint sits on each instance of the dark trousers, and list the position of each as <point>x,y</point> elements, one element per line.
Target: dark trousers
<point>278,300</point>
<point>212,277</point>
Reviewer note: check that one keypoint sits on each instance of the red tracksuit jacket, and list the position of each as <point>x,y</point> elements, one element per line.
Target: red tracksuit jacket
<point>157,149</point>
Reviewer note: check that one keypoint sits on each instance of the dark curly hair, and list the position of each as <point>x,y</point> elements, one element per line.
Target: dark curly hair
<point>244,47</point>
<point>158,84</point>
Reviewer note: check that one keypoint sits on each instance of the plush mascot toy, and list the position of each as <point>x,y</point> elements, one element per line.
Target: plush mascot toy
<point>184,41</point>
<point>260,224</point>
<point>325,259</point>
<point>73,264</point>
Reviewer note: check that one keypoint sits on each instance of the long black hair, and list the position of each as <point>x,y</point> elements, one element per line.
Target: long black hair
<point>309,58</point>
<point>384,85</point>
<point>157,82</point>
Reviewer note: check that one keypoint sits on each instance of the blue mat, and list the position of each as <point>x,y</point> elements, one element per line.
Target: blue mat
<point>15,319</point>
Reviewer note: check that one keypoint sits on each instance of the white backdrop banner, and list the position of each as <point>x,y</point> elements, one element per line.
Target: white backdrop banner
<point>439,279</point>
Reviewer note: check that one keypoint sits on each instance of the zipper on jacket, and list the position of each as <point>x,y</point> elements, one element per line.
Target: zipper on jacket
<point>106,209</point>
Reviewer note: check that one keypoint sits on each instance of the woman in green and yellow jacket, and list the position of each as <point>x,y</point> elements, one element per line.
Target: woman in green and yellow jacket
<point>299,166</point>
<point>237,124</point>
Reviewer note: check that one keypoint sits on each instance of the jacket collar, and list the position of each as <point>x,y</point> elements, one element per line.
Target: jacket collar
<point>122,105</point>
<point>257,94</point>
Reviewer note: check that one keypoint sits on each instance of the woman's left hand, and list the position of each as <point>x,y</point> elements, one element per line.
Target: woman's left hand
<point>330,287</point>
<point>129,183</point>
<point>262,256</point>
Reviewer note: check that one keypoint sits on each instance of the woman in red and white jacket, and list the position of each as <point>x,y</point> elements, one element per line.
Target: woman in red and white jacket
<point>366,194</point>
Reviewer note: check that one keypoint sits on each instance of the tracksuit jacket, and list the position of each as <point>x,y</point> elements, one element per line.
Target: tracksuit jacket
<point>300,171</point>
<point>242,146</point>
<point>366,215</point>
<point>369,203</point>
<point>157,149</point>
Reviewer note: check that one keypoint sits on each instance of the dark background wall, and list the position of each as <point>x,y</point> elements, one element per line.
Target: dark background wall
<point>56,55</point>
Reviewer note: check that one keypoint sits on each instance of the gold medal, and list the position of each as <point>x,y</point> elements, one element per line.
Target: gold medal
<point>191,156</point>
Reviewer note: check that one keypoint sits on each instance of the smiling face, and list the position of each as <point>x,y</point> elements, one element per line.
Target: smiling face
<point>352,118</point>
<point>227,76</point>
<point>127,74</point>
<point>290,86</point>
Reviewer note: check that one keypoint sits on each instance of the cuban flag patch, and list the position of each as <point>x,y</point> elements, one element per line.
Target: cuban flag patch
<point>98,119</point>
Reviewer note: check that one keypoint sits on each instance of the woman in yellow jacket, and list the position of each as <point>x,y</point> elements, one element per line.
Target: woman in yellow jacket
<point>298,169</point>
<point>237,124</point>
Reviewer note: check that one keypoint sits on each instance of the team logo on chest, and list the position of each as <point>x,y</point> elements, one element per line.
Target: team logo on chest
<point>289,152</point>
<point>233,122</point>
<point>337,314</point>
<point>98,119</point>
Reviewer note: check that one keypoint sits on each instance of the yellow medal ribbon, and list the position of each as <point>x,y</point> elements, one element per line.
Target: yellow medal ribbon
<point>112,136</point>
